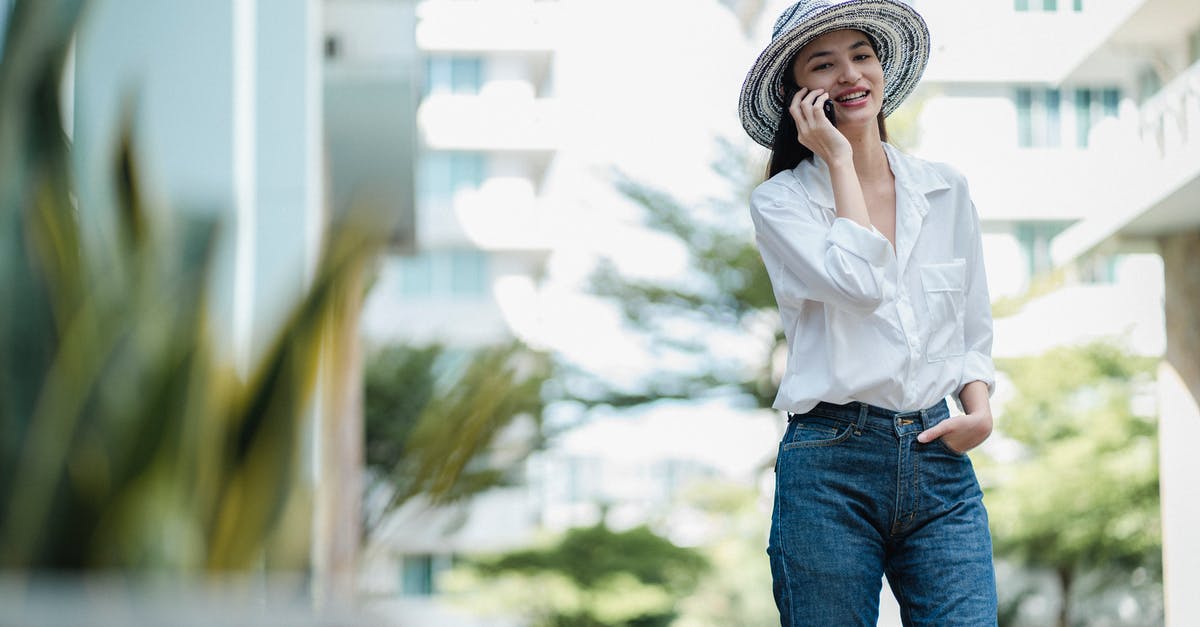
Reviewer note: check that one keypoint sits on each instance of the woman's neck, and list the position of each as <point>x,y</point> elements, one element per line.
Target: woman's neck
<point>870,160</point>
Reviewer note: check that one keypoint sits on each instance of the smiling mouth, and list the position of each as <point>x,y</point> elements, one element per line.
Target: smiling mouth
<point>853,97</point>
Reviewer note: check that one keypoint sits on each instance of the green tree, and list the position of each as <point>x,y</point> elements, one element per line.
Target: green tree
<point>595,577</point>
<point>1082,498</point>
<point>448,424</point>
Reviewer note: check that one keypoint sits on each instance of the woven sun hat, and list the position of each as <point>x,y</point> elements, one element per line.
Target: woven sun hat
<point>898,33</point>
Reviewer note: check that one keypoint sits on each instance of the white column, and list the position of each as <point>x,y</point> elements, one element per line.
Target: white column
<point>186,67</point>
<point>1179,466</point>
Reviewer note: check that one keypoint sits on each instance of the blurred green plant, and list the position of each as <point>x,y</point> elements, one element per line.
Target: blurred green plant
<point>125,441</point>
<point>449,425</point>
<point>591,577</point>
<point>1082,498</point>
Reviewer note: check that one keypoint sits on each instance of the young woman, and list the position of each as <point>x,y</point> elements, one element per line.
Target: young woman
<point>876,264</point>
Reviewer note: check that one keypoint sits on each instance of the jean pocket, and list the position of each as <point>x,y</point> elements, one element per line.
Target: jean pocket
<point>806,430</point>
<point>945,297</point>
<point>946,447</point>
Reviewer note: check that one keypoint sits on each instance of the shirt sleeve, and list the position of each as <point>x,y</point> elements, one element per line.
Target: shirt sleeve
<point>843,264</point>
<point>977,362</point>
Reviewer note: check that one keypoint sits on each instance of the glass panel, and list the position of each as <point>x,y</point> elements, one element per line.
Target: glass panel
<point>1021,5</point>
<point>1194,46</point>
<point>468,273</point>
<point>1050,5</point>
<point>1053,126</point>
<point>416,275</point>
<point>1078,6</point>
<point>1111,99</point>
<point>1024,118</point>
<point>466,75</point>
<point>417,575</point>
<point>1083,116</point>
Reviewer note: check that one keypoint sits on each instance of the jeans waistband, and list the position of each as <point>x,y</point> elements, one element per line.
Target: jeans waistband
<point>864,414</point>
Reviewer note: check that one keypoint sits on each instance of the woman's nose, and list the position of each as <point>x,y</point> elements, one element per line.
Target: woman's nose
<point>850,74</point>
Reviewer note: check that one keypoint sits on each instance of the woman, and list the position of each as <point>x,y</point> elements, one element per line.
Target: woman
<point>876,264</point>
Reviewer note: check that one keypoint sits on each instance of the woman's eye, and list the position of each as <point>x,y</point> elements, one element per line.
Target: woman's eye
<point>822,66</point>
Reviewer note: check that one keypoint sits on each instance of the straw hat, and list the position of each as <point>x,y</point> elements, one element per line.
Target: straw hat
<point>898,33</point>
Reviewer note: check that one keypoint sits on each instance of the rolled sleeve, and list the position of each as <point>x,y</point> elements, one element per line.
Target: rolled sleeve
<point>844,264</point>
<point>976,367</point>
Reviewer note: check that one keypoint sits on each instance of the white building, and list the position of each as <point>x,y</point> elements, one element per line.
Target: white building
<point>486,118</point>
<point>1090,114</point>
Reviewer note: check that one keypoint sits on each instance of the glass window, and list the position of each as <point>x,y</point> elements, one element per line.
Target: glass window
<point>1053,117</point>
<point>1021,5</point>
<point>468,273</point>
<point>453,75</point>
<point>1083,116</point>
<point>445,273</point>
<point>1194,46</point>
<point>417,575</point>
<point>1148,83</point>
<point>1111,99</point>
<point>1024,118</point>
<point>441,175</point>
<point>1050,5</point>
<point>1077,5</point>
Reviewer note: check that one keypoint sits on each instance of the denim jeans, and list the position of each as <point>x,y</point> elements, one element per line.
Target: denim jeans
<point>857,497</point>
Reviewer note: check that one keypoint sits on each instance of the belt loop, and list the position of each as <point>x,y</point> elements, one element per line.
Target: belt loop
<point>862,418</point>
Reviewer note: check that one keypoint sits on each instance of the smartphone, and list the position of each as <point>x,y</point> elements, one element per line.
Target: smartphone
<point>828,108</point>
<point>829,112</point>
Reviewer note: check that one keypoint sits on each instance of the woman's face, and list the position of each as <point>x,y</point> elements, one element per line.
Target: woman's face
<point>843,63</point>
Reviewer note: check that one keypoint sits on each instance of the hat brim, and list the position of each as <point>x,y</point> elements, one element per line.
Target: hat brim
<point>899,33</point>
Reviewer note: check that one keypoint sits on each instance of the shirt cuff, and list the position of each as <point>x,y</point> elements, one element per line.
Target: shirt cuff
<point>976,367</point>
<point>854,238</point>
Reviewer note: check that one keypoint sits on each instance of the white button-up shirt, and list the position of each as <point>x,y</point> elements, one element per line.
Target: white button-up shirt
<point>899,329</point>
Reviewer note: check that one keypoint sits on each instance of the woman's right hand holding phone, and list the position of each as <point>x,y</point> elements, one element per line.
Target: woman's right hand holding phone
<point>814,130</point>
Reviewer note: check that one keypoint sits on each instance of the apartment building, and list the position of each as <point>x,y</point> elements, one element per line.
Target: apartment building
<point>1090,114</point>
<point>464,95</point>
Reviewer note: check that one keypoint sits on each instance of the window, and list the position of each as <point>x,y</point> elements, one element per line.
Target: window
<point>1092,105</point>
<point>1024,118</point>
<point>1077,6</point>
<point>1194,46</point>
<point>416,575</point>
<point>1021,5</point>
<point>1112,100</point>
<point>453,75</point>
<point>1053,125</point>
<point>1083,116</point>
<point>1050,5</point>
<point>1034,239</point>
<point>444,174</point>
<point>458,273</point>
<point>1038,117</point>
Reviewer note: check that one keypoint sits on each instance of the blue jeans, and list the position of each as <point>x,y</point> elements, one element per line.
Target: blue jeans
<point>857,497</point>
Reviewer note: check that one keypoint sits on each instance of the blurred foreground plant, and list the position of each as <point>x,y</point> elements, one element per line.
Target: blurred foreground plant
<point>125,440</point>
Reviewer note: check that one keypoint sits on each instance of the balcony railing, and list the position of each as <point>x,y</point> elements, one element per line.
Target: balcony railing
<point>470,122</point>
<point>1170,120</point>
<point>460,25</point>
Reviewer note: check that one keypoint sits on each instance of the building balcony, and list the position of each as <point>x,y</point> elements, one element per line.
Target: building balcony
<point>973,41</point>
<point>1153,179</point>
<point>502,214</point>
<point>491,25</point>
<point>489,123</point>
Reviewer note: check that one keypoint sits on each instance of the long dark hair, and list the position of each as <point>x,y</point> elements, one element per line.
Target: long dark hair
<point>786,151</point>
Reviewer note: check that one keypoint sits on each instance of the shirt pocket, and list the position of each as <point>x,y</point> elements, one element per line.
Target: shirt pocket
<point>945,297</point>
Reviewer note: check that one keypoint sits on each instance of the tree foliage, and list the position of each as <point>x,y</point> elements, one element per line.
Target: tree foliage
<point>1083,495</point>
<point>725,290</point>
<point>446,424</point>
<point>597,577</point>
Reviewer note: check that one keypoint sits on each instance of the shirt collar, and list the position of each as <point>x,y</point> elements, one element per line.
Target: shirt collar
<point>916,175</point>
